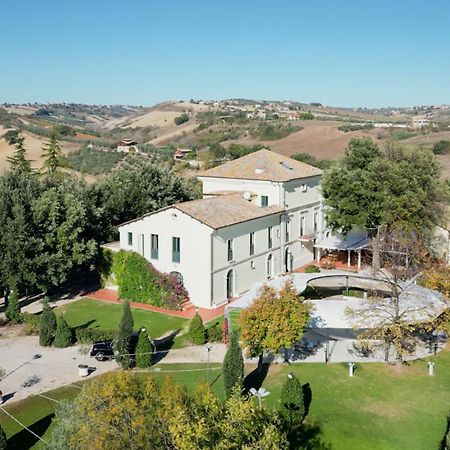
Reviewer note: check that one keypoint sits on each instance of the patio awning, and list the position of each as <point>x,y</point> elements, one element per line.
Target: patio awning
<point>351,241</point>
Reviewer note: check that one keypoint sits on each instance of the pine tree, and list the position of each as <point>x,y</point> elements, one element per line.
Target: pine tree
<point>3,440</point>
<point>52,154</point>
<point>63,335</point>
<point>144,350</point>
<point>292,401</point>
<point>12,312</point>
<point>233,366</point>
<point>47,325</point>
<point>122,339</point>
<point>18,161</point>
<point>197,331</point>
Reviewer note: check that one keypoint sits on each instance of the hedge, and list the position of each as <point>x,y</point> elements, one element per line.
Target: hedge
<point>139,281</point>
<point>91,335</point>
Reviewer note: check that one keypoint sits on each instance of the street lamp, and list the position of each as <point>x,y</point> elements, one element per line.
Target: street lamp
<point>260,394</point>
<point>208,348</point>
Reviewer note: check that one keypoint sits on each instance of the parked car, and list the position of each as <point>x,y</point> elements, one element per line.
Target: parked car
<point>104,350</point>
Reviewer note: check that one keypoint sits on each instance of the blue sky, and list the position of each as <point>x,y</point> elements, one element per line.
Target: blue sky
<point>342,53</point>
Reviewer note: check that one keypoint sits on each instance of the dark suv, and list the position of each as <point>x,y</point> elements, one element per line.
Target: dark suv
<point>104,350</point>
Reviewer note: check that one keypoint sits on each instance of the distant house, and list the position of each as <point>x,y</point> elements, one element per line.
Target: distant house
<point>127,146</point>
<point>420,122</point>
<point>293,116</point>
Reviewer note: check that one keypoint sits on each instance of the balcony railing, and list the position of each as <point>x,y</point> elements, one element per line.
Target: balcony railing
<point>154,254</point>
<point>175,257</point>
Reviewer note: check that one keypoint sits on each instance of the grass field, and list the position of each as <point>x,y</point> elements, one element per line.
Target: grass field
<point>383,407</point>
<point>98,314</point>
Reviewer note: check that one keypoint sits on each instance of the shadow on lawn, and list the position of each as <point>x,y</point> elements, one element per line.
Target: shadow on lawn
<point>307,436</point>
<point>24,440</point>
<point>256,378</point>
<point>163,346</point>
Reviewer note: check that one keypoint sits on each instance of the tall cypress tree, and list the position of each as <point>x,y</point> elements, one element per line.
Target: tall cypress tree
<point>12,312</point>
<point>122,339</point>
<point>63,334</point>
<point>52,154</point>
<point>47,325</point>
<point>292,400</point>
<point>233,366</point>
<point>18,161</point>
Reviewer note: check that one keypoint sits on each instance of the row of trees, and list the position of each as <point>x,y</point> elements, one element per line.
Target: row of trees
<point>52,223</point>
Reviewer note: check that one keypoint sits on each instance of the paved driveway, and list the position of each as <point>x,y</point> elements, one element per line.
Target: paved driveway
<point>54,368</point>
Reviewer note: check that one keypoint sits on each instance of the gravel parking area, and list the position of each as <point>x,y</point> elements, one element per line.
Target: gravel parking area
<point>54,368</point>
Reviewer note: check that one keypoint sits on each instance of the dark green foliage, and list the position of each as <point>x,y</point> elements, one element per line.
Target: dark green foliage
<point>90,335</point>
<point>122,338</point>
<point>63,335</point>
<point>214,333</point>
<point>47,325</point>
<point>139,281</point>
<point>442,147</point>
<point>181,119</point>
<point>312,161</point>
<point>93,160</point>
<point>307,116</point>
<point>3,440</point>
<point>233,366</point>
<point>12,312</point>
<point>197,332</point>
<point>31,319</point>
<point>64,130</point>
<point>355,127</point>
<point>52,154</point>
<point>138,186</point>
<point>312,269</point>
<point>143,350</point>
<point>19,161</point>
<point>269,132</point>
<point>12,137</point>
<point>292,401</point>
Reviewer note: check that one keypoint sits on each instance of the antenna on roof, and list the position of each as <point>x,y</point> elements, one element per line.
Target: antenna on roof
<point>286,165</point>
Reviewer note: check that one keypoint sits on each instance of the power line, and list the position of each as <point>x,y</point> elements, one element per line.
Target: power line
<point>22,425</point>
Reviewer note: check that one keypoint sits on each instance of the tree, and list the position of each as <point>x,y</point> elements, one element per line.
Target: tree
<point>12,312</point>
<point>144,350</point>
<point>394,312</point>
<point>52,154</point>
<point>122,338</point>
<point>441,147</point>
<point>197,331</point>
<point>374,190</point>
<point>138,186</point>
<point>18,161</point>
<point>11,136</point>
<point>3,440</point>
<point>274,321</point>
<point>47,325</point>
<point>292,401</point>
<point>233,366</point>
<point>63,334</point>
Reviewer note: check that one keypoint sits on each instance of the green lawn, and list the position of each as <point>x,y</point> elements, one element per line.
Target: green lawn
<point>381,408</point>
<point>98,314</point>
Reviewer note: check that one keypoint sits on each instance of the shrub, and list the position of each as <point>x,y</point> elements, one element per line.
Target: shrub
<point>292,401</point>
<point>63,334</point>
<point>91,335</point>
<point>181,119</point>
<point>312,269</point>
<point>143,350</point>
<point>31,322</point>
<point>441,147</point>
<point>328,265</point>
<point>355,127</point>
<point>197,332</point>
<point>47,325</point>
<point>12,312</point>
<point>122,337</point>
<point>225,332</point>
<point>214,333</point>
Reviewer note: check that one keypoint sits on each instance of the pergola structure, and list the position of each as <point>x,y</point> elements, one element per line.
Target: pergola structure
<point>351,242</point>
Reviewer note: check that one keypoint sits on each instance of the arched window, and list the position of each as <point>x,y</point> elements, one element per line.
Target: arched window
<point>269,268</point>
<point>288,260</point>
<point>230,284</point>
<point>177,276</point>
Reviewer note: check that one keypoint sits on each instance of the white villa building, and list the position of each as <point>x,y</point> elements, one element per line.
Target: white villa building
<point>259,217</point>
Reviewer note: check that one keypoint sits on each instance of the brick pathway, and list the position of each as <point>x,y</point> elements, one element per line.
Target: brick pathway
<point>109,295</point>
